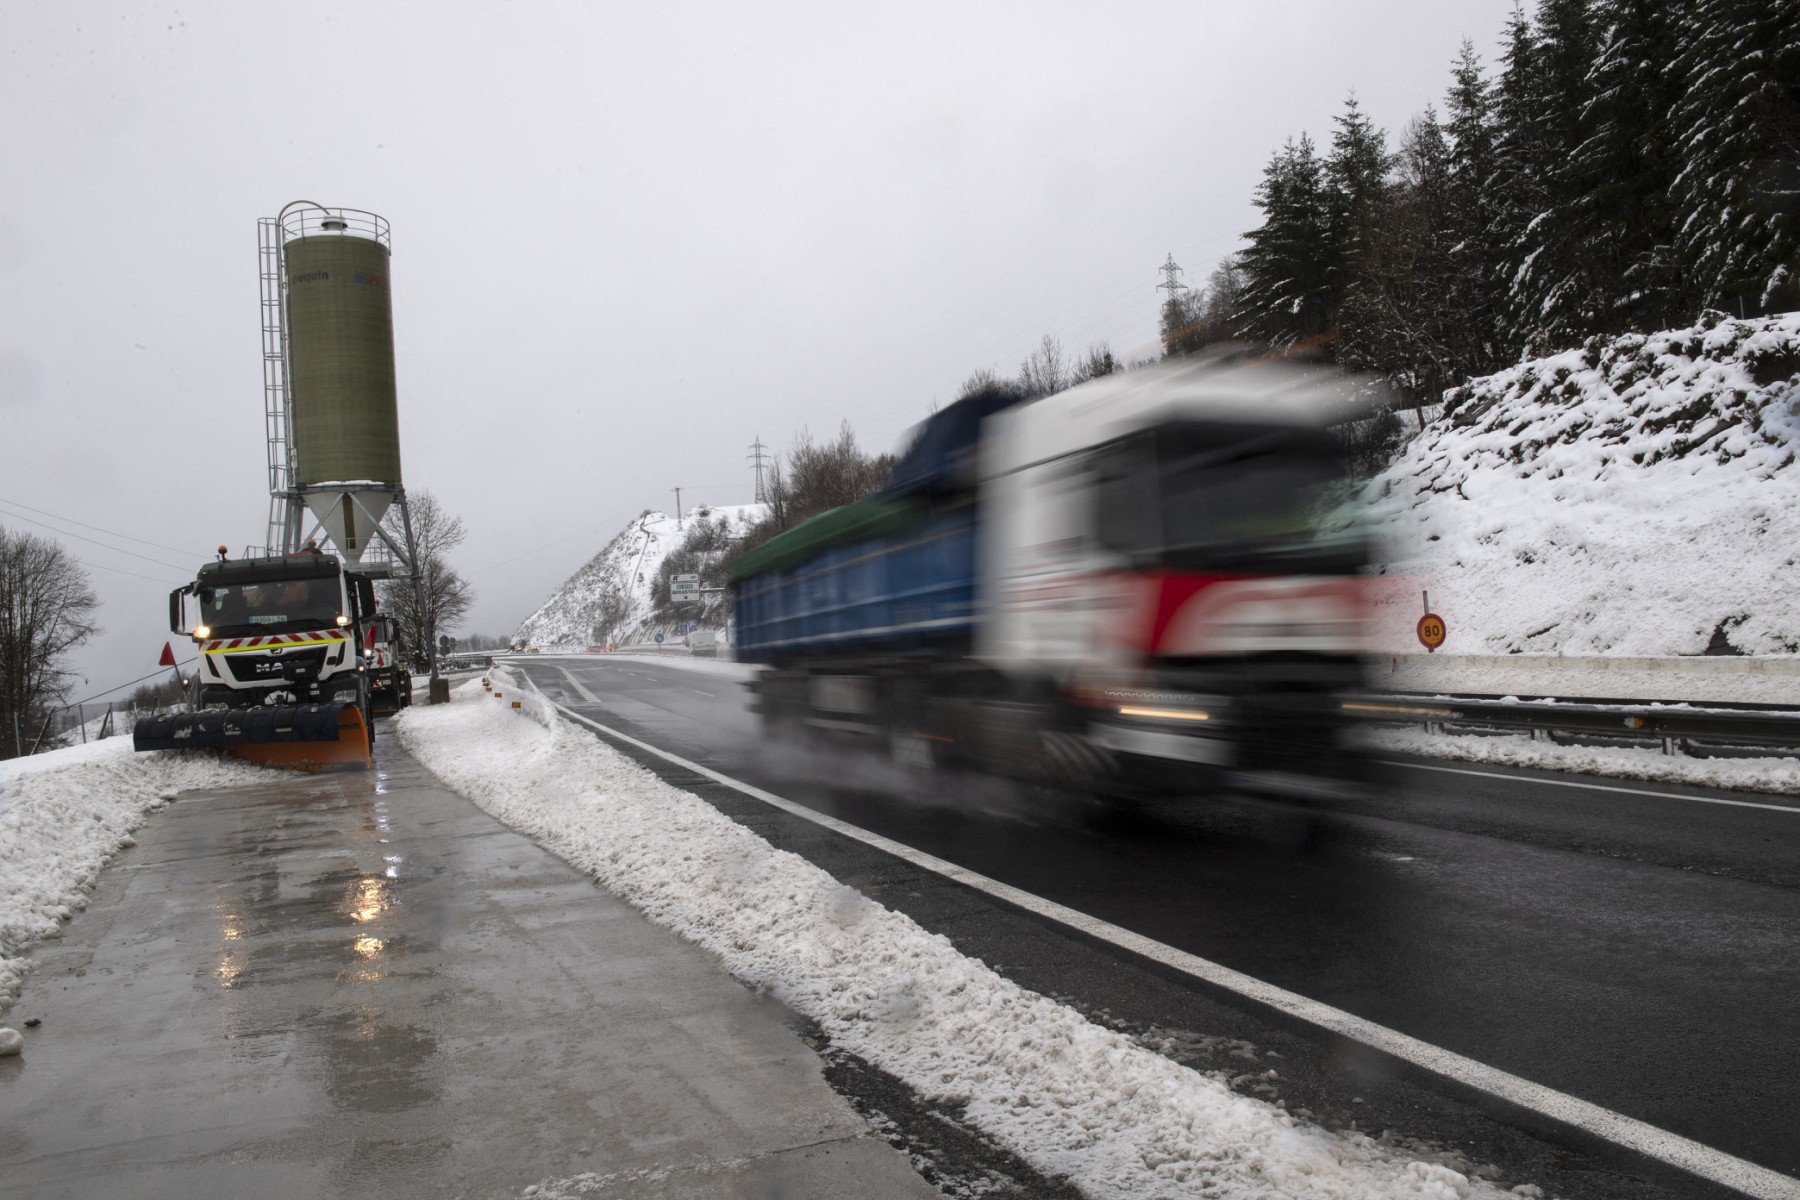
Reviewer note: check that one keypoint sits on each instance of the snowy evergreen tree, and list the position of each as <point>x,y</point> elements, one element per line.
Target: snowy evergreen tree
<point>1393,321</point>
<point>1631,163</point>
<point>1285,271</point>
<point>1517,192</point>
<point>1619,221</point>
<point>1356,181</point>
<point>1470,298</point>
<point>1737,193</point>
<point>1544,117</point>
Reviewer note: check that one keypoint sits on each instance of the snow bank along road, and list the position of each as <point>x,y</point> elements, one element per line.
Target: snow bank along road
<point>1630,947</point>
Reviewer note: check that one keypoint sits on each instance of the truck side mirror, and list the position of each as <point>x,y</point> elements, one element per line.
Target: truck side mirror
<point>365,596</point>
<point>177,618</point>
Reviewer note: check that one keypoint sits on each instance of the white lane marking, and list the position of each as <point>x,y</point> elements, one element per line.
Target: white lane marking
<point>576,684</point>
<point>1793,810</point>
<point>1646,1139</point>
<point>708,695</point>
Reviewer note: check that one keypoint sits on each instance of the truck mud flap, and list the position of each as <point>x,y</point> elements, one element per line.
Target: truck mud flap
<point>301,737</point>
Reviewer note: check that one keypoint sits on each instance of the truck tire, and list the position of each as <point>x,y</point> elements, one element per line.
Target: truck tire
<point>909,730</point>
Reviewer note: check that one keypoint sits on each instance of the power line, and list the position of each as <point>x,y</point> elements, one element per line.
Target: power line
<point>126,684</point>
<point>117,571</point>
<point>65,533</point>
<point>96,528</point>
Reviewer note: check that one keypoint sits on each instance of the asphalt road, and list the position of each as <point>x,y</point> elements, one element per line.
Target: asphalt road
<point>1635,950</point>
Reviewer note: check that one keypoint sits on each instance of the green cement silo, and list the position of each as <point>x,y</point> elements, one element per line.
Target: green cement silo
<point>340,334</point>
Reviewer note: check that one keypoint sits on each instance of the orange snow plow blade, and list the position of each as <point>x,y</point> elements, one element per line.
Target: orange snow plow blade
<point>297,737</point>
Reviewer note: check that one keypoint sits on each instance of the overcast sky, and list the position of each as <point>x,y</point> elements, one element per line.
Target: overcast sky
<point>628,239</point>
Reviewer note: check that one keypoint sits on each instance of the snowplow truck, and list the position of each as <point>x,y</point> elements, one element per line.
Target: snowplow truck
<point>1132,587</point>
<point>284,673</point>
<point>390,679</point>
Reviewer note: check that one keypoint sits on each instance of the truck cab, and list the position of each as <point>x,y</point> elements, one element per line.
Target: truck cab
<point>279,630</point>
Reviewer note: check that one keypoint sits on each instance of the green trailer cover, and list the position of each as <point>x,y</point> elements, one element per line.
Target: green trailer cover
<point>878,514</point>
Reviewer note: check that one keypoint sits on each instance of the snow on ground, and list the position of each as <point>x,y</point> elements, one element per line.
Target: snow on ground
<point>1780,776</point>
<point>1071,1097</point>
<point>63,815</point>
<point>1634,497</point>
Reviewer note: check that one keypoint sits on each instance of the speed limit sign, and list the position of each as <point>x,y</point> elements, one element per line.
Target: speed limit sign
<point>1431,631</point>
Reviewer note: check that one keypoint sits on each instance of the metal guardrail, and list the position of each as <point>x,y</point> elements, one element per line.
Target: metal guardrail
<point>1670,724</point>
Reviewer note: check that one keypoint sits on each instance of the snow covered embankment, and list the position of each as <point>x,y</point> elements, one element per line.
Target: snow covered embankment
<point>613,591</point>
<point>63,815</point>
<point>1072,1098</point>
<point>1636,497</point>
<point>1775,776</point>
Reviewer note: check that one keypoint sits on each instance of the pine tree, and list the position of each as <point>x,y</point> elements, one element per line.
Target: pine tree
<point>1471,201</point>
<point>1356,179</point>
<point>1518,194</point>
<point>1224,291</point>
<point>1183,326</point>
<point>1619,222</point>
<point>1737,191</point>
<point>1285,297</point>
<point>1393,321</point>
<point>1552,294</point>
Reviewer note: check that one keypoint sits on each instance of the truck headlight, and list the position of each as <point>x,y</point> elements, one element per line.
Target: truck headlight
<point>1165,714</point>
<point>202,632</point>
<point>343,619</point>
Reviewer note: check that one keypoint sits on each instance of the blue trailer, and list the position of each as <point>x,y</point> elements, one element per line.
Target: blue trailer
<point>882,576</point>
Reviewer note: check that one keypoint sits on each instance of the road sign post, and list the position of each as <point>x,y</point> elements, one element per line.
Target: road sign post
<point>684,587</point>
<point>1431,629</point>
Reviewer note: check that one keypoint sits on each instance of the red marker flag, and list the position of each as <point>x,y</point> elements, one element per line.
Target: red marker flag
<point>369,639</point>
<point>168,656</point>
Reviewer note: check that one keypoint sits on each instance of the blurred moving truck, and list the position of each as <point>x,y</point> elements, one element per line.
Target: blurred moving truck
<point>1131,585</point>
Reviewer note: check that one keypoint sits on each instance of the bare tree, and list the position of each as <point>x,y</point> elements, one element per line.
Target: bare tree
<point>1044,372</point>
<point>1099,361</point>
<point>46,610</point>
<point>816,476</point>
<point>447,595</point>
<point>979,380</point>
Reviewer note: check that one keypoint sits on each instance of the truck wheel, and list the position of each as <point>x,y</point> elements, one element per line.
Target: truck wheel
<point>909,727</point>
<point>909,749</point>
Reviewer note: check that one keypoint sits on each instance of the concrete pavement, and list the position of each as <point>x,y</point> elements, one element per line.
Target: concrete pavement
<point>362,984</point>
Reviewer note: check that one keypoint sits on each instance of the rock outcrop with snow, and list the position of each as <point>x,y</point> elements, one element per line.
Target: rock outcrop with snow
<point>1636,497</point>
<point>612,597</point>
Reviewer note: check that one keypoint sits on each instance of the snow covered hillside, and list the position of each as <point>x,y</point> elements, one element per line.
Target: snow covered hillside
<point>1634,497</point>
<point>612,598</point>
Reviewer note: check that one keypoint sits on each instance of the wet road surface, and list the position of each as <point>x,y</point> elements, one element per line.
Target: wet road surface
<point>1637,952</point>
<point>362,985</point>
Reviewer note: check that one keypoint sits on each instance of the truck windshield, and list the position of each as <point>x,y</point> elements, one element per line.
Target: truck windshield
<point>281,606</point>
<point>1230,498</point>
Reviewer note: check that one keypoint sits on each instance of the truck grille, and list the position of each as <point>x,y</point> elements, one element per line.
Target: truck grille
<point>267,668</point>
